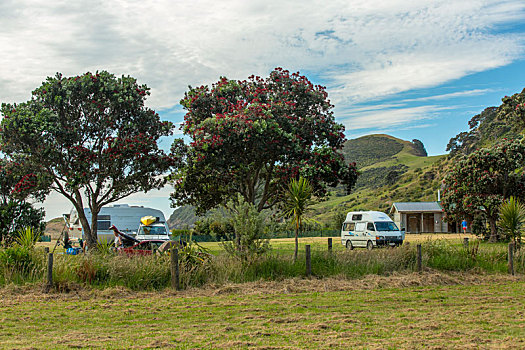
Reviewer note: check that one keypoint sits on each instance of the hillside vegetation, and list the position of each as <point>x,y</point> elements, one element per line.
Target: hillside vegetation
<point>391,170</point>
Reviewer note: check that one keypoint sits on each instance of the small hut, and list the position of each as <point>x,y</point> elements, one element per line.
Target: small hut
<point>419,217</point>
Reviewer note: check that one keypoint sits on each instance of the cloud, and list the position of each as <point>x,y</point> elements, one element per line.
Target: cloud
<point>474,92</point>
<point>361,50</point>
<point>388,118</point>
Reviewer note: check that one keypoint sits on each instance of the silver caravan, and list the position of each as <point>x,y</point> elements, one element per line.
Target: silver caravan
<point>125,217</point>
<point>369,229</point>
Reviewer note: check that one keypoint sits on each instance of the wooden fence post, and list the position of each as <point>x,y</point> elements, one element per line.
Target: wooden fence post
<point>175,268</point>
<point>308,261</point>
<point>511,258</point>
<point>49,271</point>
<point>330,244</point>
<point>419,259</point>
<point>465,242</point>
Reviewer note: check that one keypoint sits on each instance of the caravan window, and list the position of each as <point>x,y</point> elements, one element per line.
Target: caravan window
<point>360,226</point>
<point>357,217</point>
<point>103,222</point>
<point>349,226</point>
<point>370,227</point>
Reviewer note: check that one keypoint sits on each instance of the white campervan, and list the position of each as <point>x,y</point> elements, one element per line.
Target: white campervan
<point>370,229</point>
<point>125,217</point>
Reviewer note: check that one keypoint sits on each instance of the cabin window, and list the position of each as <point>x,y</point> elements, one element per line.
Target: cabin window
<point>103,222</point>
<point>370,227</point>
<point>350,226</point>
<point>357,217</point>
<point>360,226</point>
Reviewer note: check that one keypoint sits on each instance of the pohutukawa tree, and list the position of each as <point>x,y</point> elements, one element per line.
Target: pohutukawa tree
<point>19,184</point>
<point>480,182</point>
<point>252,136</point>
<point>92,135</point>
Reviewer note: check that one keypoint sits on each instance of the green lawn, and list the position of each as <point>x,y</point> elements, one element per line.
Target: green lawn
<point>485,312</point>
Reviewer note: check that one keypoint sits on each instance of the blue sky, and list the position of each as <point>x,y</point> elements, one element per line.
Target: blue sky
<point>409,69</point>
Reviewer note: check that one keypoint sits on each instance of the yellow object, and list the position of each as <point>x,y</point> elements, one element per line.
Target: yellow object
<point>148,220</point>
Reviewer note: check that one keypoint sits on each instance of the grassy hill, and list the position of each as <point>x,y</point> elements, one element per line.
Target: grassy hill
<point>391,170</point>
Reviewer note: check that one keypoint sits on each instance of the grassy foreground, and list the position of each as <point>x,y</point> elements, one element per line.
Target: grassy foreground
<point>438,311</point>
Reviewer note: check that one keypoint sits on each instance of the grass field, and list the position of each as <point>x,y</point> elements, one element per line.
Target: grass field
<point>287,245</point>
<point>429,310</point>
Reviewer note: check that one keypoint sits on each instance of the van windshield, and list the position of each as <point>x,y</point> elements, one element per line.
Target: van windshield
<point>386,226</point>
<point>152,230</point>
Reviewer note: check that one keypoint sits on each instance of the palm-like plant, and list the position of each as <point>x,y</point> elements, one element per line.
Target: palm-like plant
<point>512,219</point>
<point>27,237</point>
<point>296,202</point>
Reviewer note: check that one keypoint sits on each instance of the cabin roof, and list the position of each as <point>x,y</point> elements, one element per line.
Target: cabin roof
<point>418,207</point>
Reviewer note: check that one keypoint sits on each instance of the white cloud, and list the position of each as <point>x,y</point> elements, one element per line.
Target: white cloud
<point>449,95</point>
<point>388,118</point>
<point>362,49</point>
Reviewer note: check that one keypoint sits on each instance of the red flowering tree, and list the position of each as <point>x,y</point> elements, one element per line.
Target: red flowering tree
<point>18,184</point>
<point>480,182</point>
<point>93,136</point>
<point>252,136</point>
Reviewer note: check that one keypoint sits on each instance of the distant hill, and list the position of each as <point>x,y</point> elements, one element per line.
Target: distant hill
<point>391,169</point>
<point>54,227</point>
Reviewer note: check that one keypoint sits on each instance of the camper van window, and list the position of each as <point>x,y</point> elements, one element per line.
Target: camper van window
<point>104,222</point>
<point>360,226</point>
<point>386,226</point>
<point>370,227</point>
<point>350,226</point>
<point>357,217</point>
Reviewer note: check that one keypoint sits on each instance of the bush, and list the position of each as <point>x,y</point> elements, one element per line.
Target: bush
<point>248,237</point>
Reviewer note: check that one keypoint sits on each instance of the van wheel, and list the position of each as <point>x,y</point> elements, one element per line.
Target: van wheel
<point>349,245</point>
<point>369,245</point>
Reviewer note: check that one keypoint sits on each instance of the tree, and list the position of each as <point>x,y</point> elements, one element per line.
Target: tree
<point>298,197</point>
<point>419,148</point>
<point>480,182</point>
<point>18,184</point>
<point>512,219</point>
<point>512,110</point>
<point>251,136</point>
<point>91,135</point>
<point>246,238</point>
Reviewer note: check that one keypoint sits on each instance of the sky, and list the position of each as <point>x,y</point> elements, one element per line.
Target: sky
<point>411,69</point>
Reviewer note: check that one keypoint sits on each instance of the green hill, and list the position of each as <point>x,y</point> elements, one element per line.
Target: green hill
<point>391,170</point>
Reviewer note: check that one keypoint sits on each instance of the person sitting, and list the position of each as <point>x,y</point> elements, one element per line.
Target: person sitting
<point>118,237</point>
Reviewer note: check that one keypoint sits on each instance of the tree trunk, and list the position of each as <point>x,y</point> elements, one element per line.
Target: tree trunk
<point>94,226</point>
<point>296,242</point>
<point>493,230</point>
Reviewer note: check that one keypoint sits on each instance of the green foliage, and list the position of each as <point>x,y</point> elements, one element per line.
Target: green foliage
<point>247,240</point>
<point>27,237</point>
<point>512,219</point>
<point>105,247</point>
<point>297,199</point>
<point>19,184</point>
<point>89,134</point>
<point>251,136</point>
<point>491,125</point>
<point>480,182</point>
<point>381,176</point>
<point>418,148</point>
<point>17,259</point>
<point>371,149</point>
<point>512,110</point>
